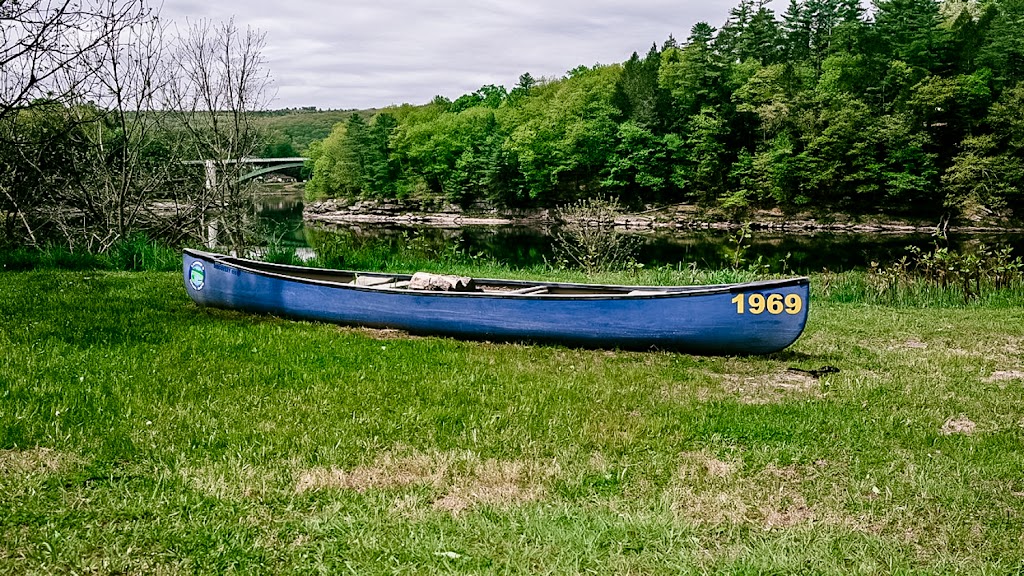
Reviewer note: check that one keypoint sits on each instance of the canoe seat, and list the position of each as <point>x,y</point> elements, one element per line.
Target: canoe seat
<point>530,290</point>
<point>371,280</point>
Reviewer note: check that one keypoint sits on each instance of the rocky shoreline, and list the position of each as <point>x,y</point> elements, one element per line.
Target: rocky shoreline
<point>679,217</point>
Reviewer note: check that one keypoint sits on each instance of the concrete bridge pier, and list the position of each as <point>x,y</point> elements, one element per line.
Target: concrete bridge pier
<point>211,174</point>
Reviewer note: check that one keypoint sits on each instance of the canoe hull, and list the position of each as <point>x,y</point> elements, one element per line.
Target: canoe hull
<point>717,320</point>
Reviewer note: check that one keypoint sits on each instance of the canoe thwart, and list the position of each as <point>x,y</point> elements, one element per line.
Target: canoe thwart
<point>530,290</point>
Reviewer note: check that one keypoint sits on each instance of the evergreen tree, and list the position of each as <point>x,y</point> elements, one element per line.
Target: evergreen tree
<point>355,152</point>
<point>1003,49</point>
<point>692,76</point>
<point>763,40</point>
<point>381,167</point>
<point>910,31</point>
<point>637,93</point>
<point>796,33</point>
<point>729,41</point>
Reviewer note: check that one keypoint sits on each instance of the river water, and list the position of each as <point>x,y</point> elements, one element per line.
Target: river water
<point>520,246</point>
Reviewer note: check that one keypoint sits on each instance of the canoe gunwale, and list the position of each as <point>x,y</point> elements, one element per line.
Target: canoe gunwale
<point>292,273</point>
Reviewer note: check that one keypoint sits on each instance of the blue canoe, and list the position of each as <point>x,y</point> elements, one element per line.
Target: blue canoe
<point>752,318</point>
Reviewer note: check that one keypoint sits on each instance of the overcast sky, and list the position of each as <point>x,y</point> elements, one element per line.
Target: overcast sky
<point>374,53</point>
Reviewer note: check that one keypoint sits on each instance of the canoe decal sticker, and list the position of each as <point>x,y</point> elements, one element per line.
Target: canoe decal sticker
<point>197,275</point>
<point>772,303</point>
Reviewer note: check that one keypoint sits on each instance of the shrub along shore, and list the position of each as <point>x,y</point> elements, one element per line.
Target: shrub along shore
<point>140,433</point>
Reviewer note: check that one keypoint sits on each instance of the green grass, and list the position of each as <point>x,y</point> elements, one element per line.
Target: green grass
<point>135,253</point>
<point>141,434</point>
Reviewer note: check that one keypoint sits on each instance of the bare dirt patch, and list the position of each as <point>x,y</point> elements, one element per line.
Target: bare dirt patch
<point>959,425</point>
<point>915,345</point>
<point>35,461</point>
<point>380,333</point>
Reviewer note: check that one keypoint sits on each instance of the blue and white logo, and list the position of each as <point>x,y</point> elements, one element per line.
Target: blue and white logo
<point>197,275</point>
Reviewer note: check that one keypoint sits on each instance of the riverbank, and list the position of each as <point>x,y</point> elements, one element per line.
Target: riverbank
<point>140,433</point>
<point>676,217</point>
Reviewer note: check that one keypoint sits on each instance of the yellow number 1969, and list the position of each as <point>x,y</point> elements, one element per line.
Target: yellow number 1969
<point>771,303</point>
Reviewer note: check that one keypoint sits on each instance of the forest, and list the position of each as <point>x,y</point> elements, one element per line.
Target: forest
<point>903,107</point>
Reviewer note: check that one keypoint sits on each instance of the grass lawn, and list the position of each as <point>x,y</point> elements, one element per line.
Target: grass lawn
<point>141,434</point>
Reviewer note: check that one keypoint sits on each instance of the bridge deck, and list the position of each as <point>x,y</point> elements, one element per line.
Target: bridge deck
<point>251,161</point>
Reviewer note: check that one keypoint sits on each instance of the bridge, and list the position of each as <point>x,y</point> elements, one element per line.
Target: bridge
<point>268,165</point>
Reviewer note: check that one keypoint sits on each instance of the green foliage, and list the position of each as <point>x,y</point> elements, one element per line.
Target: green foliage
<point>297,128</point>
<point>988,173</point>
<point>639,164</point>
<point>983,176</point>
<point>910,32</point>
<point>637,93</point>
<point>913,110</point>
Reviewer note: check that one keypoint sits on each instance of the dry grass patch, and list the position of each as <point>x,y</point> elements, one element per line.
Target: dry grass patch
<point>496,483</point>
<point>997,349</point>
<point>35,461</point>
<point>710,491</point>
<point>232,480</point>
<point>387,471</point>
<point>691,391</point>
<point>1005,376</point>
<point>1012,346</point>
<point>459,479</point>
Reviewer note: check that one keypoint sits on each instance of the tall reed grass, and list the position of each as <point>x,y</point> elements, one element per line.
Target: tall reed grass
<point>136,253</point>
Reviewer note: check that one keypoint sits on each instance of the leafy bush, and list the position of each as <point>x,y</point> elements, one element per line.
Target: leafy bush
<point>587,237</point>
<point>967,275</point>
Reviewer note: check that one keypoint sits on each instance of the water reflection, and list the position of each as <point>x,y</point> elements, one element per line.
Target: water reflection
<point>520,246</point>
<point>280,210</point>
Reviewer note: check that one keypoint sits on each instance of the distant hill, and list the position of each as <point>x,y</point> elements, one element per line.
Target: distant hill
<point>291,130</point>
